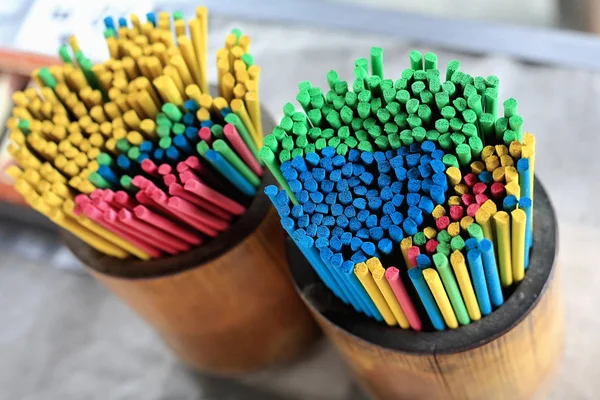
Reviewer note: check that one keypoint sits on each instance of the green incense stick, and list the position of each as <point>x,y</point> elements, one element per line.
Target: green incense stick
<point>492,81</point>
<point>377,61</point>
<point>127,182</point>
<point>227,153</point>
<point>510,108</point>
<point>458,304</point>
<point>476,146</point>
<point>165,142</point>
<point>268,157</point>
<point>431,61</point>
<point>509,137</point>
<point>457,243</point>
<point>105,159</point>
<point>463,151</point>
<point>416,60</point>
<point>241,128</point>
<point>444,237</point>
<point>133,153</point>
<point>443,248</point>
<point>97,180</point>
<point>172,112</point>
<point>475,231</point>
<point>451,68</point>
<point>491,101</point>
<point>515,123</point>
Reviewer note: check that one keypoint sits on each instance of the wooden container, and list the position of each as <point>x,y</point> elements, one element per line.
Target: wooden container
<point>509,354</point>
<point>226,307</point>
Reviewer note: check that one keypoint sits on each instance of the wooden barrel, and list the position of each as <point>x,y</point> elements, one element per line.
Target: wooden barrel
<point>510,354</point>
<point>227,307</point>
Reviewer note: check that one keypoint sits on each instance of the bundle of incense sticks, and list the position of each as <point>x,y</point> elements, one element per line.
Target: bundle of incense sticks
<point>134,156</point>
<point>411,199</point>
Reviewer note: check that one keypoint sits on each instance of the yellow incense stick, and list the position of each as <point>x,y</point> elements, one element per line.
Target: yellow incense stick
<point>438,211</point>
<point>487,152</point>
<point>405,244</point>
<point>477,167</point>
<point>237,106</point>
<point>498,174</point>
<point>507,161</point>
<point>461,189</point>
<point>513,189</point>
<point>87,236</point>
<point>173,73</point>
<point>184,72</point>
<point>226,86</point>
<point>503,235</point>
<point>457,260</point>
<point>454,201</point>
<point>187,51</point>
<point>491,163</point>
<point>483,218</point>
<point>441,298</point>
<point>253,105</point>
<point>378,273</point>
<point>454,175</point>
<point>202,16</point>
<point>364,276</point>
<point>465,222</point>
<point>430,233</point>
<point>454,229</point>
<point>501,150</point>
<point>518,244</point>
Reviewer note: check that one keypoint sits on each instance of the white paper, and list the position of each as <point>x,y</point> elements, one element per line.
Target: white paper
<point>49,23</point>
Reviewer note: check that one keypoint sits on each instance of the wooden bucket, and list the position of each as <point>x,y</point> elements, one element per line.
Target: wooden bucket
<point>226,307</point>
<point>510,354</point>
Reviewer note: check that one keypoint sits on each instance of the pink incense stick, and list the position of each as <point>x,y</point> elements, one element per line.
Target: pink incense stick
<point>148,230</point>
<point>167,225</point>
<point>177,190</point>
<point>112,217</point>
<point>241,148</point>
<point>97,194</point>
<point>145,199</point>
<point>497,190</point>
<point>100,204</point>
<point>182,167</point>
<point>194,163</point>
<point>141,182</point>
<point>123,199</point>
<point>392,275</point>
<point>96,215</point>
<point>200,189</point>
<point>82,199</point>
<point>169,179</point>
<point>195,212</point>
<point>109,197</point>
<point>187,176</point>
<point>165,169</point>
<point>150,168</point>
<point>413,252</point>
<point>206,135</point>
<point>192,220</point>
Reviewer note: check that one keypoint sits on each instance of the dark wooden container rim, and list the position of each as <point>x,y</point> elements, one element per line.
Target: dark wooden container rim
<point>512,312</point>
<point>195,258</point>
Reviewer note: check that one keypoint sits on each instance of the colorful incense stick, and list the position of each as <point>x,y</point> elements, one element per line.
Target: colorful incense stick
<point>135,156</point>
<point>419,172</point>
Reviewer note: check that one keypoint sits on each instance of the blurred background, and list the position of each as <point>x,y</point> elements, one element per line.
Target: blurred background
<point>62,336</point>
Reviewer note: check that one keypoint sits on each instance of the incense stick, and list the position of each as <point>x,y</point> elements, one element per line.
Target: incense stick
<point>134,155</point>
<point>411,173</point>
